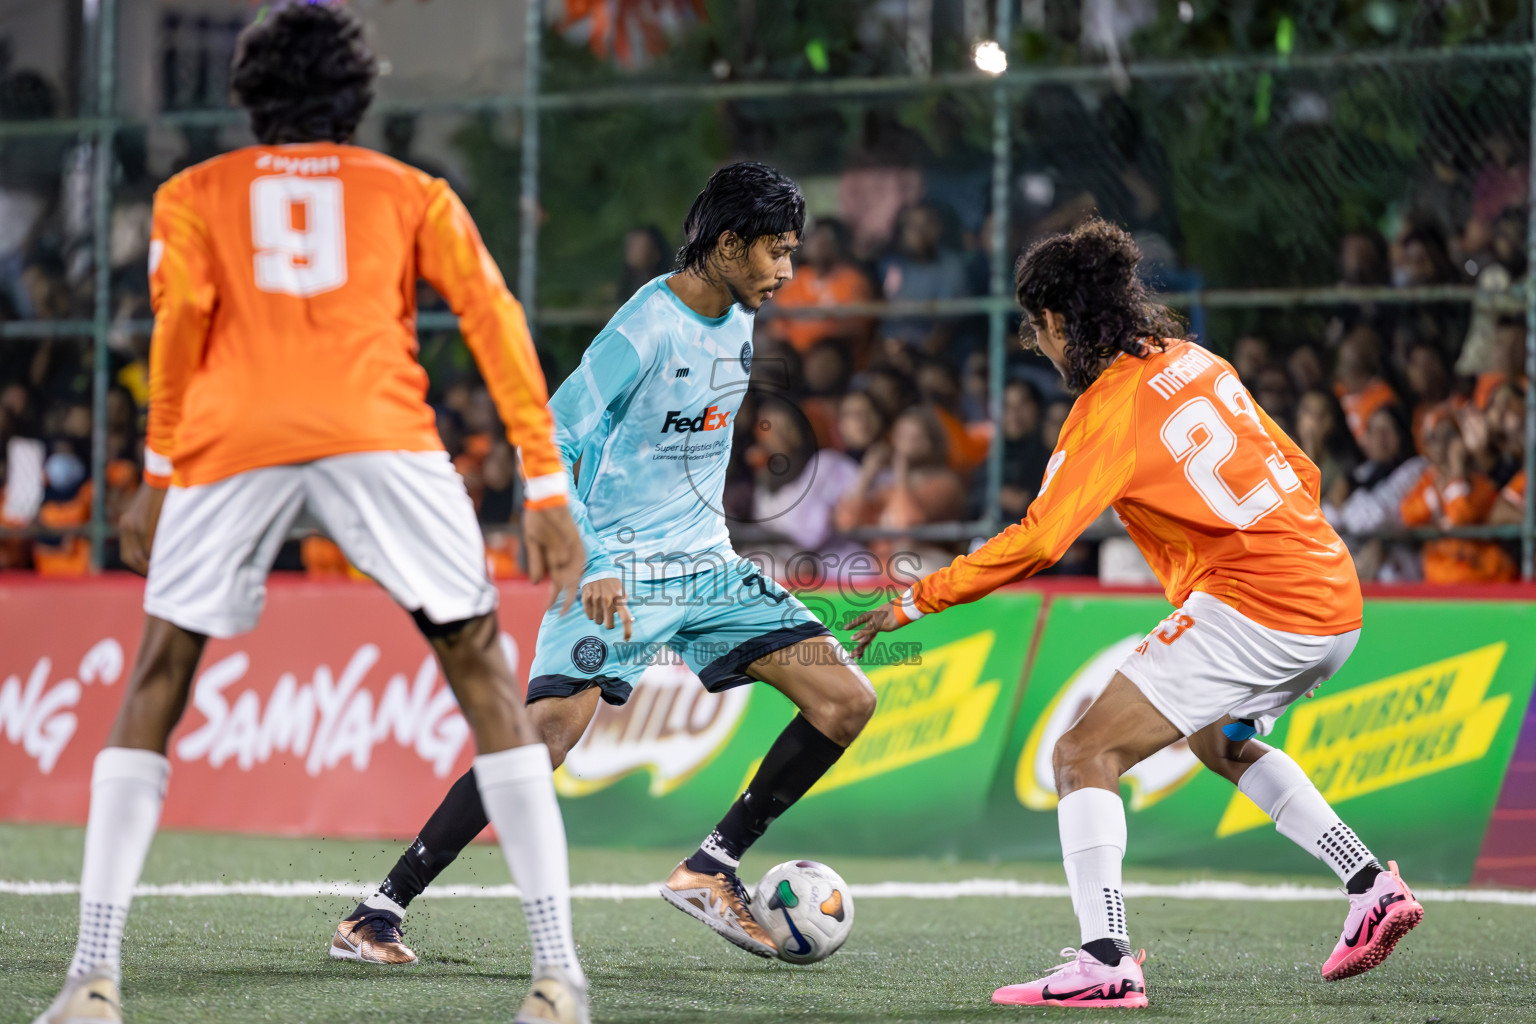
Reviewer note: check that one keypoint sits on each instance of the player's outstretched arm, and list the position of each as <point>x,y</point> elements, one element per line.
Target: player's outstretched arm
<point>1089,471</point>
<point>453,259</point>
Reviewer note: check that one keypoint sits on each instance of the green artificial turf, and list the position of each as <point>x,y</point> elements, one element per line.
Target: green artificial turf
<point>256,959</point>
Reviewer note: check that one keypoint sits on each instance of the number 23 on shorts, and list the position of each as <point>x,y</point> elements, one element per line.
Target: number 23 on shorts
<point>1173,627</point>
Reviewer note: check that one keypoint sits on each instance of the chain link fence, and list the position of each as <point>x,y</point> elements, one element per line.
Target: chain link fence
<point>1325,213</point>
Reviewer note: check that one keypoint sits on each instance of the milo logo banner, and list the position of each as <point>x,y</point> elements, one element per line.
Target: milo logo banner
<point>661,769</point>
<point>1410,741</point>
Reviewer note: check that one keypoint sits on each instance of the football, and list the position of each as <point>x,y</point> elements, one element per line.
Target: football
<point>807,909</point>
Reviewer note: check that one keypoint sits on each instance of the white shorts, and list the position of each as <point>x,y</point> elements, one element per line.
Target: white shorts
<point>403,518</point>
<point>1207,660</point>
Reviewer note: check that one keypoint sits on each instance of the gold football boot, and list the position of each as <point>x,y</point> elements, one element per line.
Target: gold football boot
<point>371,939</point>
<point>720,901</point>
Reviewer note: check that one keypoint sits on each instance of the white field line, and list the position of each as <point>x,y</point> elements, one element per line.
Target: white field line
<point>986,887</point>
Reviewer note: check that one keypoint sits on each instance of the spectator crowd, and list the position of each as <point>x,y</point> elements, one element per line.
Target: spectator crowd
<point>866,432</point>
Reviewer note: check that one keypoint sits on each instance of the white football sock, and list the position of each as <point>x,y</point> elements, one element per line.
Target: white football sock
<point>127,789</point>
<point>378,901</point>
<point>1282,790</point>
<point>517,787</point>
<point>1092,824</point>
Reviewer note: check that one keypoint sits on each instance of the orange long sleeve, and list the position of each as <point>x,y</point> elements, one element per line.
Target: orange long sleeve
<point>451,256</point>
<point>1212,492</point>
<point>182,294</point>
<point>1091,468</point>
<point>1467,502</point>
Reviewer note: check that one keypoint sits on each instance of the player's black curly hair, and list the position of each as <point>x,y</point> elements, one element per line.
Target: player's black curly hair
<point>305,73</point>
<point>748,199</point>
<point>1087,276</point>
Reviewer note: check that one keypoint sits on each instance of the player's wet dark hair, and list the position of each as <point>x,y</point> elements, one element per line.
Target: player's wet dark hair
<point>748,199</point>
<point>305,73</point>
<point>1087,276</point>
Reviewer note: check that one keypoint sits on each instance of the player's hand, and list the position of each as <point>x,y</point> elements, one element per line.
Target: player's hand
<point>880,620</point>
<point>555,551</point>
<point>604,601</point>
<point>136,527</point>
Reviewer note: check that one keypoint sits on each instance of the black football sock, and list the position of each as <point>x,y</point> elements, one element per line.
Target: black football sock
<point>800,756</point>
<point>1362,880</point>
<point>453,826</point>
<point>1108,951</point>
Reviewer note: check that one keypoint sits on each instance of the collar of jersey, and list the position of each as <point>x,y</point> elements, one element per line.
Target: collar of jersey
<point>689,311</point>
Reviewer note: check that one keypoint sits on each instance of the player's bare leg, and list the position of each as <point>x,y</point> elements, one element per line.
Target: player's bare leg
<point>127,791</point>
<point>1120,729</point>
<point>512,785</point>
<point>455,823</point>
<point>835,701</point>
<point>1381,906</point>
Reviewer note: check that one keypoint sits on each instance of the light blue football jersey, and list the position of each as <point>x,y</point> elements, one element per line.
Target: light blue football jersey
<point>645,423</point>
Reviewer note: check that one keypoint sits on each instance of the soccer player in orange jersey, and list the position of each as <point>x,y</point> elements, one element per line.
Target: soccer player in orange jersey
<point>1225,508</point>
<point>284,387</point>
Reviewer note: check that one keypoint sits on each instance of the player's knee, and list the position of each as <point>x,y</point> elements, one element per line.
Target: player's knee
<point>558,749</point>
<point>465,644</point>
<point>861,702</point>
<point>847,709</point>
<point>1080,760</point>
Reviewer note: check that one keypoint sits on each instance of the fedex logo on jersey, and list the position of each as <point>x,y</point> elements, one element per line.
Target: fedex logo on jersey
<point>710,419</point>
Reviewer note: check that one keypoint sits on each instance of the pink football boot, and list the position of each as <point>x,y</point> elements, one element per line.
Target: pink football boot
<point>1083,982</point>
<point>1377,919</point>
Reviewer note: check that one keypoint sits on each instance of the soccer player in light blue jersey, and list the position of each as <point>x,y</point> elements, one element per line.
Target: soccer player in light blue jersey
<point>645,423</point>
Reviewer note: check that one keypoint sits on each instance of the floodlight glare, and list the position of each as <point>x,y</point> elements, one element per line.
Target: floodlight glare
<point>989,57</point>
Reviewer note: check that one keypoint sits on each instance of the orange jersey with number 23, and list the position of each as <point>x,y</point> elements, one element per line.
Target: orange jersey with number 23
<point>1212,491</point>
<point>283,280</point>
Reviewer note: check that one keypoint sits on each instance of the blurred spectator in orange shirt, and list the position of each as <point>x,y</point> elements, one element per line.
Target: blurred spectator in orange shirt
<point>967,430</point>
<point>825,277</point>
<point>1325,438</point>
<point>1357,380</point>
<point>1508,360</point>
<point>1429,386</point>
<point>904,483</point>
<point>1510,508</point>
<point>1450,494</point>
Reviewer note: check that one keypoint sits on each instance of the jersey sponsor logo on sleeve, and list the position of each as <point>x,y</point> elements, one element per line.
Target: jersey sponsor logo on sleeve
<point>711,418</point>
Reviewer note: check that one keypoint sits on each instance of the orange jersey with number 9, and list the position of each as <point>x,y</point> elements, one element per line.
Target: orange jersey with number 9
<point>283,280</point>
<point>1215,495</point>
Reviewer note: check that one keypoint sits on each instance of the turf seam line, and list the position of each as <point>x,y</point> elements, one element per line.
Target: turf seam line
<point>986,887</point>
